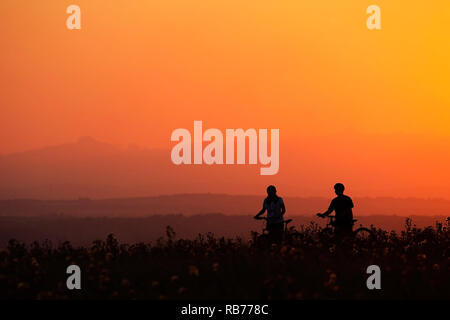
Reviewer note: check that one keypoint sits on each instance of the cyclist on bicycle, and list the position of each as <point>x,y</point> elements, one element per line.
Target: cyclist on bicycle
<point>342,205</point>
<point>275,211</point>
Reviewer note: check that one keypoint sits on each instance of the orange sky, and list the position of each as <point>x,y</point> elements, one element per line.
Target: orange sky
<point>371,108</point>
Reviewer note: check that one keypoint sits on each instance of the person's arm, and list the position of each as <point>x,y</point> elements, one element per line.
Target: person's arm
<point>262,211</point>
<point>328,212</point>
<point>283,208</point>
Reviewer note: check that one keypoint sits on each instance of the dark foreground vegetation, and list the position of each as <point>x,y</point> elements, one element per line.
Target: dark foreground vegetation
<point>81,230</point>
<point>414,264</point>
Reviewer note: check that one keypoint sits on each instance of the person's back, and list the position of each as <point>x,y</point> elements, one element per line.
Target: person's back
<point>275,208</point>
<point>342,205</point>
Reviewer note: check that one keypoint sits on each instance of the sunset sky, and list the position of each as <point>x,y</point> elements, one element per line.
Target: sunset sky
<point>370,108</point>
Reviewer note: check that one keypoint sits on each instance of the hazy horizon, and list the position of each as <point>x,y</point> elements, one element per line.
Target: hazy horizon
<point>194,204</point>
<point>89,168</point>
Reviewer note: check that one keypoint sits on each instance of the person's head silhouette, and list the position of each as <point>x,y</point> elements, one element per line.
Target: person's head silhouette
<point>271,191</point>
<point>339,189</point>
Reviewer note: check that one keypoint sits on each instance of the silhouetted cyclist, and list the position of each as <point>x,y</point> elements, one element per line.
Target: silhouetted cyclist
<point>342,205</point>
<point>275,211</point>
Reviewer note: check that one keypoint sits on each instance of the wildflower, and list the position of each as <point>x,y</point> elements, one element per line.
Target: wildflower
<point>125,282</point>
<point>332,277</point>
<point>193,271</point>
<point>34,262</point>
<point>23,285</point>
<point>331,281</point>
<point>108,257</point>
<point>104,271</point>
<point>422,256</point>
<point>104,279</point>
<point>284,249</point>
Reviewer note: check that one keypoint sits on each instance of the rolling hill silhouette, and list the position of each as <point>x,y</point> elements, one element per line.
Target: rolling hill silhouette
<point>194,204</point>
<point>89,168</point>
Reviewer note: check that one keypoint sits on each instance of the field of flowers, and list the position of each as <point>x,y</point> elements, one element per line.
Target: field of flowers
<point>414,264</point>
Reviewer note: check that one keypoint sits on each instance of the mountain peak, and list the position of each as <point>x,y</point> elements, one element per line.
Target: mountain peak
<point>87,139</point>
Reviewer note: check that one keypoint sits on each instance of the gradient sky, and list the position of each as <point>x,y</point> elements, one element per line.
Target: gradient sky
<point>371,108</point>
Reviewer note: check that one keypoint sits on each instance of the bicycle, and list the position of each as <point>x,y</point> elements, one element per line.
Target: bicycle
<point>289,233</point>
<point>361,233</point>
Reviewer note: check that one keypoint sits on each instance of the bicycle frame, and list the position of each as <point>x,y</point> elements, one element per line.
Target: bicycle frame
<point>332,221</point>
<point>285,222</point>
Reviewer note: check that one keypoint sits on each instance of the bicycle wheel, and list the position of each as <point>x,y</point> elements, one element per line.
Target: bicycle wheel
<point>362,233</point>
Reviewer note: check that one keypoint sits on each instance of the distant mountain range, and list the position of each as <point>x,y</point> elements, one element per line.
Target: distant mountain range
<point>88,169</point>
